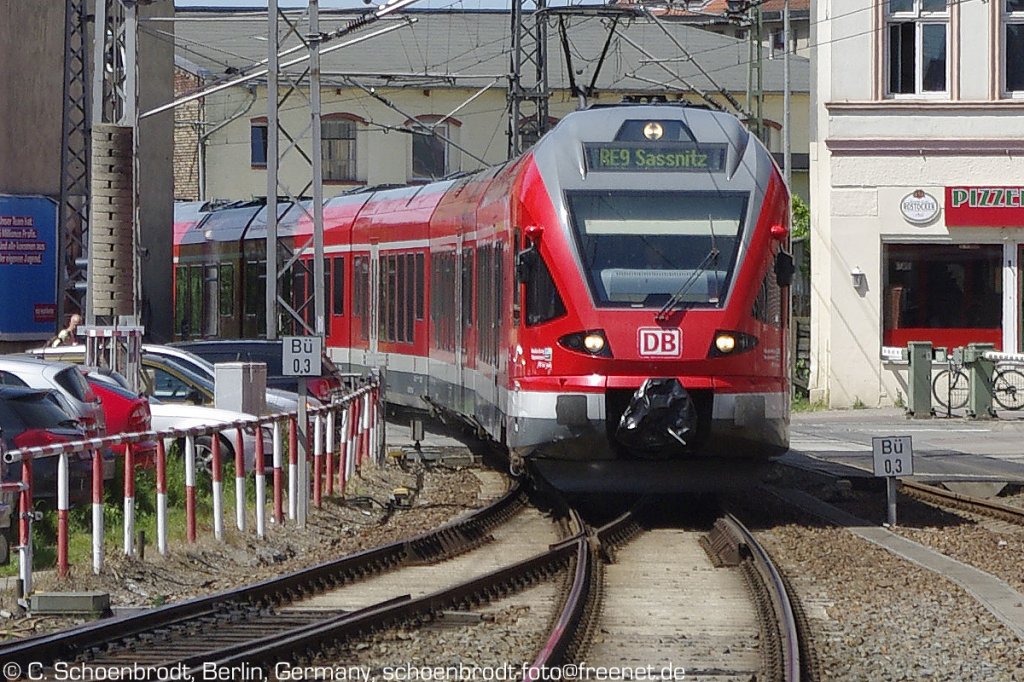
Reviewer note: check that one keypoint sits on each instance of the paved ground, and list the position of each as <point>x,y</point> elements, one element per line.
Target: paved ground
<point>946,449</point>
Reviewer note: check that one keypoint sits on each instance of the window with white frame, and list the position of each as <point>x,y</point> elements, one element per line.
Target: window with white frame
<point>1013,47</point>
<point>338,142</point>
<point>433,152</point>
<point>917,47</point>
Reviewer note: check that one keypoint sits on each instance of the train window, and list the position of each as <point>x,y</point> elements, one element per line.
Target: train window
<point>181,302</point>
<point>338,292</point>
<point>516,287</point>
<point>543,302</point>
<point>195,298</point>
<point>419,286</point>
<point>361,294</point>
<point>226,278</point>
<point>255,288</point>
<point>641,249</point>
<point>467,287</point>
<point>408,296</point>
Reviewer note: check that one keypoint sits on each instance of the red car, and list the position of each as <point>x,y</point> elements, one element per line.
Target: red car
<point>125,412</point>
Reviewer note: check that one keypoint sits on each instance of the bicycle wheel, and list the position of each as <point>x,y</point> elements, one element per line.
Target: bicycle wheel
<point>951,388</point>
<point>1008,389</point>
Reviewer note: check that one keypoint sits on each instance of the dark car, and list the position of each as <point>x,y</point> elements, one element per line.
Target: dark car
<point>268,352</point>
<point>32,417</point>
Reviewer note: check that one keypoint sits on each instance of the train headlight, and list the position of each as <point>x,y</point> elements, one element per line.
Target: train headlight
<point>591,342</point>
<point>727,342</point>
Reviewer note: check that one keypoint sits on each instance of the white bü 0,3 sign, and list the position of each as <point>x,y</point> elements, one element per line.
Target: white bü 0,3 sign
<point>300,356</point>
<point>894,456</point>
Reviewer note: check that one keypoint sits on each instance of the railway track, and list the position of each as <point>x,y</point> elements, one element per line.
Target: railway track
<point>182,633</point>
<point>678,602</point>
<point>658,604</point>
<point>990,509</point>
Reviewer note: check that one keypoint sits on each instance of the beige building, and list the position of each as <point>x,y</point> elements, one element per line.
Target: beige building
<point>447,72</point>
<point>917,186</point>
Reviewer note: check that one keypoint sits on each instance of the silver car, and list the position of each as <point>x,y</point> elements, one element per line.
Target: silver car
<point>66,379</point>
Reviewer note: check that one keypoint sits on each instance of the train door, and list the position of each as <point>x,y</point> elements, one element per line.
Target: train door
<point>462,392</point>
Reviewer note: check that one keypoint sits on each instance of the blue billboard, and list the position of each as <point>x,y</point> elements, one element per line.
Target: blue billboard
<point>28,267</point>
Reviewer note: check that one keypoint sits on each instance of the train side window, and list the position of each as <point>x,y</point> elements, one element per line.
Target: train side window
<point>181,302</point>
<point>338,292</point>
<point>195,299</point>
<point>419,286</point>
<point>516,286</point>
<point>226,278</point>
<point>467,287</point>
<point>543,302</point>
<point>409,296</point>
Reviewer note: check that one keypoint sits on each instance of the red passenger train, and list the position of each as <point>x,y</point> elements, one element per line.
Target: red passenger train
<point>615,299</point>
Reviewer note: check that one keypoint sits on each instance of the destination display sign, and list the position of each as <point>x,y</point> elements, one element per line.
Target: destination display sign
<point>654,157</point>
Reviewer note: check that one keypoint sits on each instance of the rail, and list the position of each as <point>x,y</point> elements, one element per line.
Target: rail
<point>349,429</point>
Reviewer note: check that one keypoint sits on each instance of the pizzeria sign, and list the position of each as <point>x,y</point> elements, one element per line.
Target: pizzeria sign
<point>984,206</point>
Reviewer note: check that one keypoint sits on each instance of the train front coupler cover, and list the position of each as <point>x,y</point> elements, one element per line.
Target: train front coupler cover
<point>660,417</point>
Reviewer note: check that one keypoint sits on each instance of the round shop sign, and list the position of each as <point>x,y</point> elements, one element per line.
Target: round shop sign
<point>919,207</point>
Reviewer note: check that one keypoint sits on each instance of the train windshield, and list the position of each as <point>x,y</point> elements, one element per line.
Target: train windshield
<point>641,249</point>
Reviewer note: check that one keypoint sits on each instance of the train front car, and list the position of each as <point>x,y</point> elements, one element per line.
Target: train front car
<point>652,347</point>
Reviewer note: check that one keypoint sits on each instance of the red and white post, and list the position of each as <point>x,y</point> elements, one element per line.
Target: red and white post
<point>261,486</point>
<point>293,468</point>
<point>329,474</point>
<point>353,441</point>
<point>240,477</point>
<point>25,526</point>
<point>97,511</point>
<point>278,476</point>
<point>218,487</point>
<point>62,515</point>
<point>343,447</point>
<point>129,499</point>
<point>318,459</point>
<point>190,487</point>
<point>161,497</point>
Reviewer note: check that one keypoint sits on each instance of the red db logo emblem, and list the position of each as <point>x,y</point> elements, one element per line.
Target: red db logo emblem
<point>658,342</point>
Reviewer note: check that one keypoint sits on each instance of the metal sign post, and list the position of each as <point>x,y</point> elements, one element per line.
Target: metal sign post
<point>893,457</point>
<point>300,357</point>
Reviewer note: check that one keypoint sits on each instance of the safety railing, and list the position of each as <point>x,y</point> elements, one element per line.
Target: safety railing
<point>345,434</point>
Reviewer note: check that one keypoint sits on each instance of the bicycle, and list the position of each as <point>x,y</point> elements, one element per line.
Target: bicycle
<point>1008,388</point>
<point>951,387</point>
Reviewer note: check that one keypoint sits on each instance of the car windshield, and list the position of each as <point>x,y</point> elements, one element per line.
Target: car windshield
<point>640,248</point>
<point>72,381</point>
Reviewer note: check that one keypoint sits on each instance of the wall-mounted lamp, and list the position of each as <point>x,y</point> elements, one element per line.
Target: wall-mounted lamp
<point>858,277</point>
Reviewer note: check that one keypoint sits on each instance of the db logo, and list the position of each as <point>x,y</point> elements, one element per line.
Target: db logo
<point>658,342</point>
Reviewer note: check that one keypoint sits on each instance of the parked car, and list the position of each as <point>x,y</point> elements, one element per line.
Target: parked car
<point>182,415</point>
<point>164,360</point>
<point>269,352</point>
<point>64,378</point>
<point>126,412</point>
<point>30,418</point>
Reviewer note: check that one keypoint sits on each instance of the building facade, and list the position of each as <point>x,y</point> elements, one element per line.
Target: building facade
<point>430,100</point>
<point>917,187</point>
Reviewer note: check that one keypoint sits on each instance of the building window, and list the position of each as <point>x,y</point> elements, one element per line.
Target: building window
<point>1013,46</point>
<point>258,142</point>
<point>338,141</point>
<point>917,48</point>
<point>433,152</point>
<point>949,294</point>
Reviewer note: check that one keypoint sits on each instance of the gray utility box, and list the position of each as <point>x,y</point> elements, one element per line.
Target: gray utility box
<point>241,386</point>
